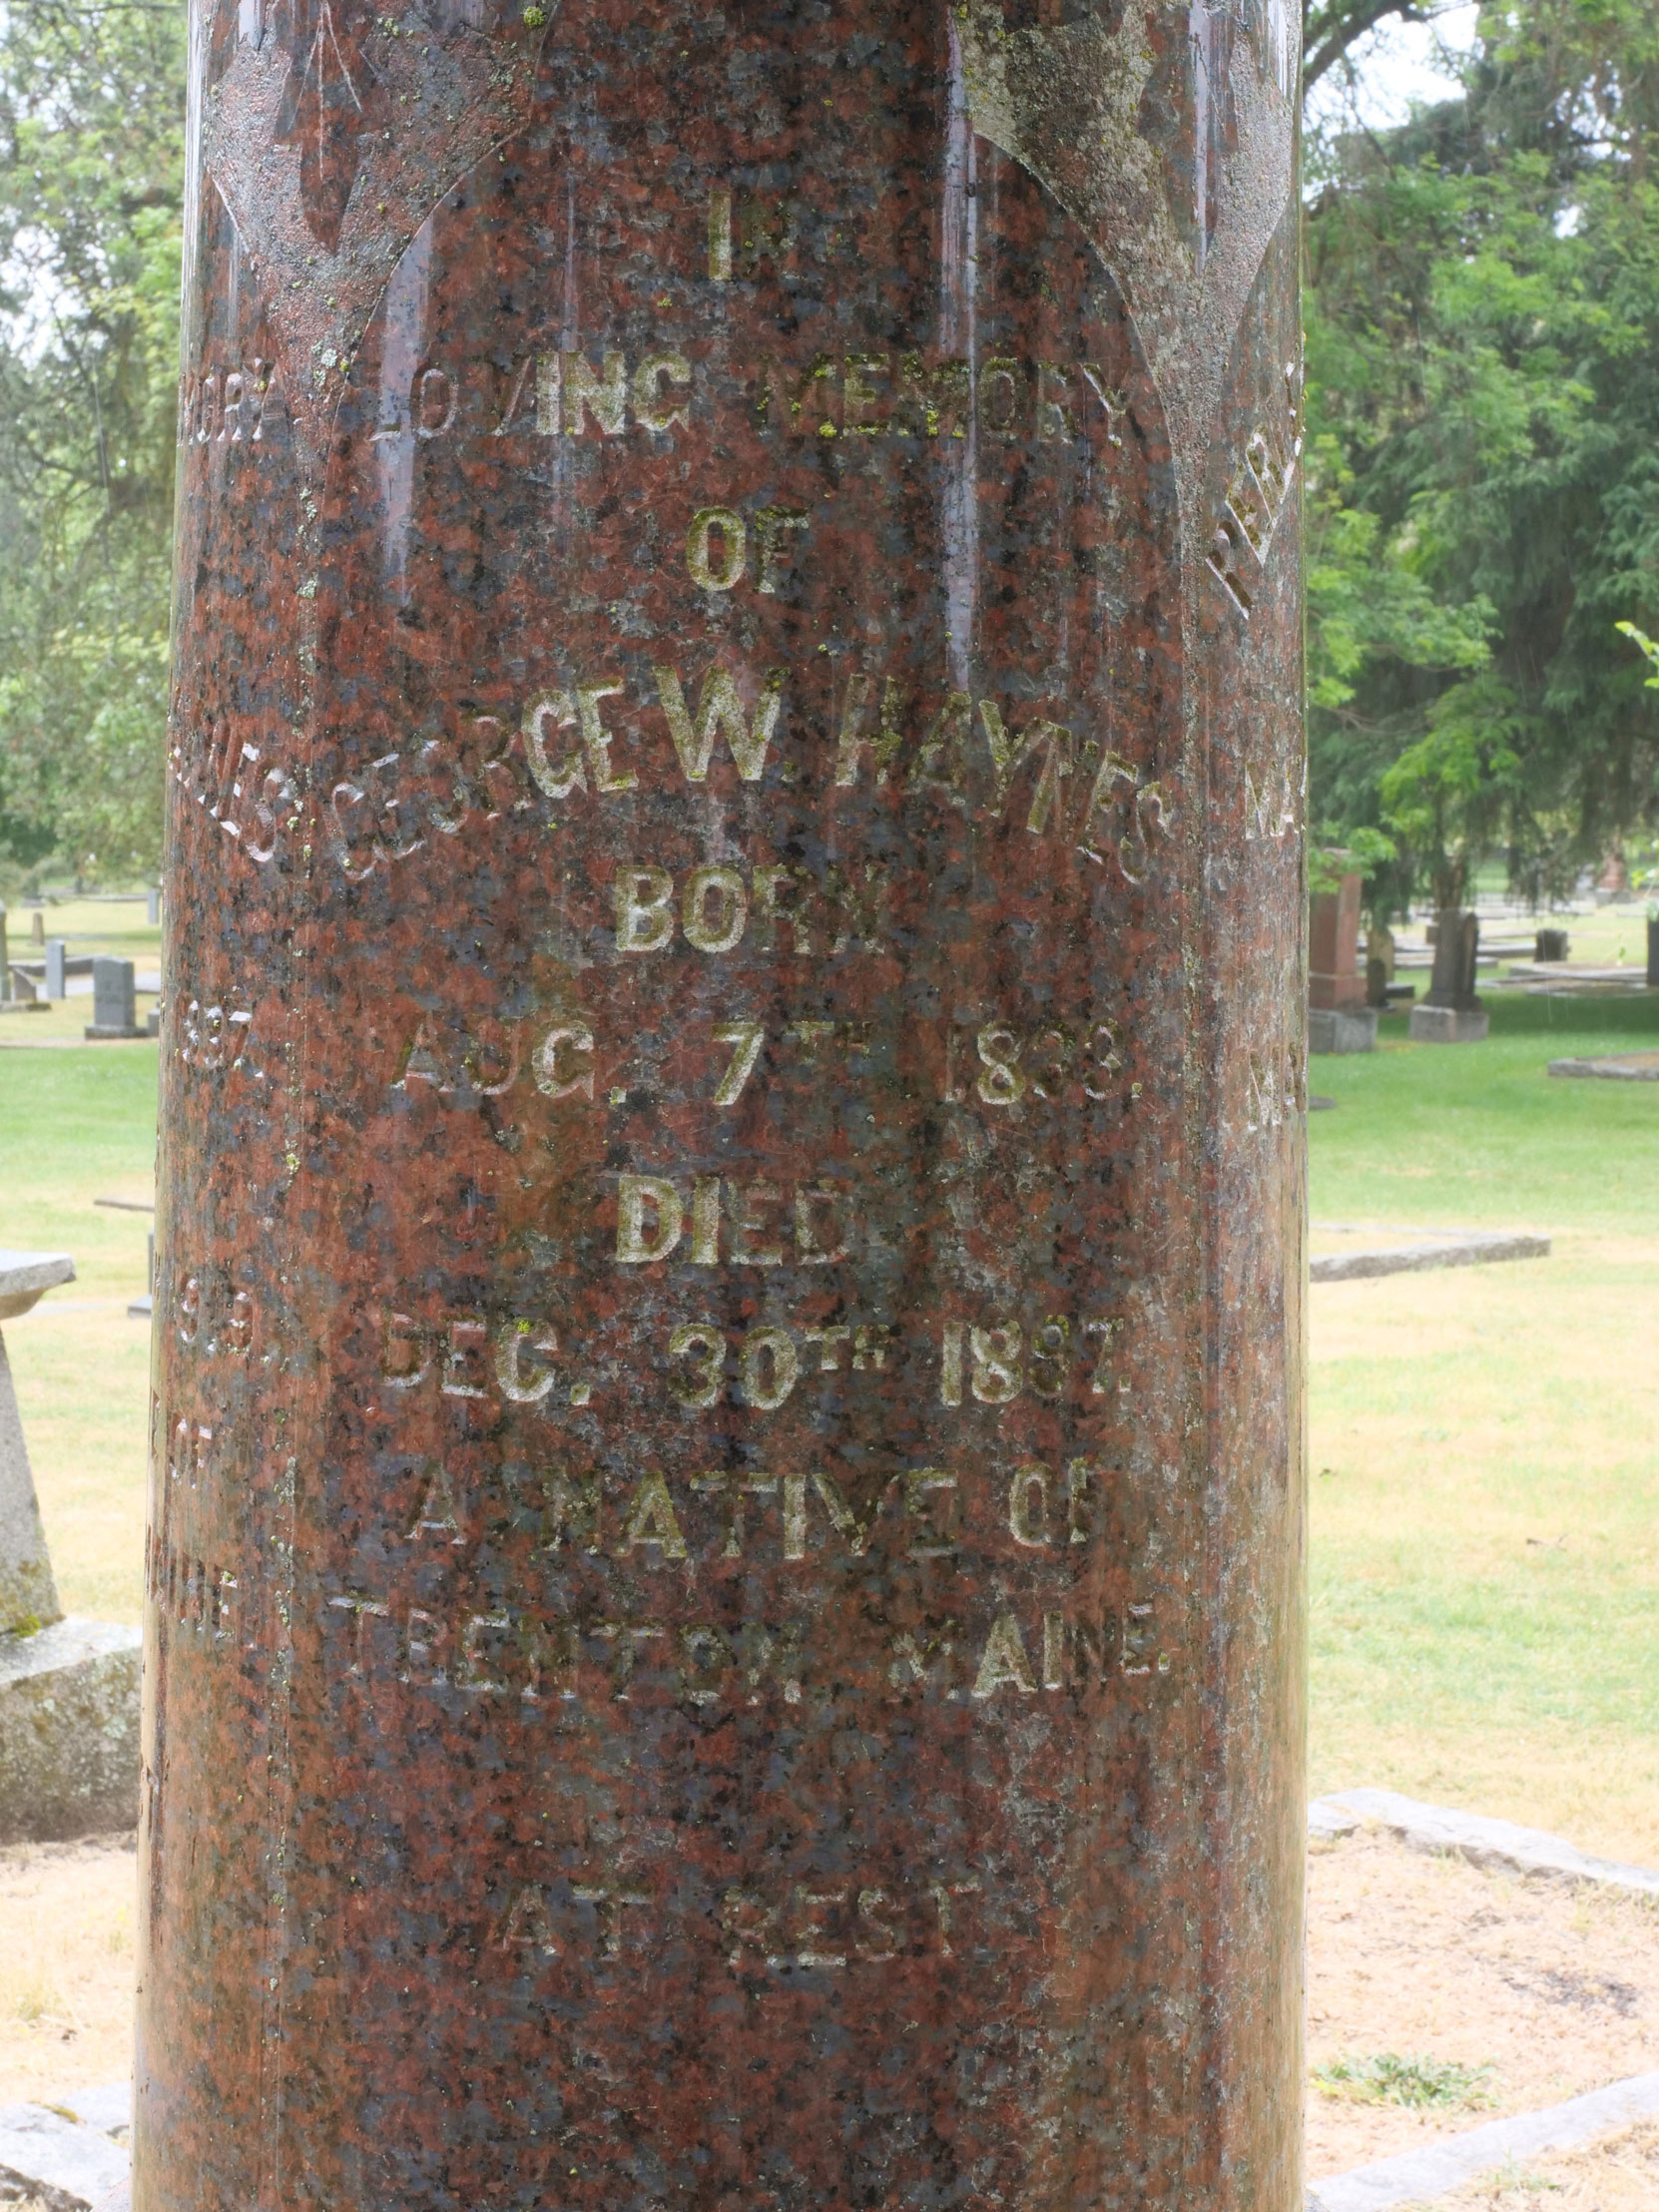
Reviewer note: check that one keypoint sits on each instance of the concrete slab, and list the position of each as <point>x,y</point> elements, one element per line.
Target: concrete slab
<point>1418,2176</point>
<point>1615,1067</point>
<point>1342,1029</point>
<point>1327,1820</point>
<point>69,1731</point>
<point>1449,1249</point>
<point>1554,971</point>
<point>1447,1026</point>
<point>109,2109</point>
<point>1484,1843</point>
<point>65,2165</point>
<point>24,1275</point>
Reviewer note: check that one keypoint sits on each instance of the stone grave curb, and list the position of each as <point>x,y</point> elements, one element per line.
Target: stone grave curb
<point>1439,2168</point>
<point>1605,1069</point>
<point>1484,1843</point>
<point>67,2166</point>
<point>1455,1252</point>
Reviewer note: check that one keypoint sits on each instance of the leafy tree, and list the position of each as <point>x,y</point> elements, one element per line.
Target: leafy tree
<point>1483,357</point>
<point>1647,645</point>
<point>1332,28</point>
<point>1484,455</point>
<point>91,178</point>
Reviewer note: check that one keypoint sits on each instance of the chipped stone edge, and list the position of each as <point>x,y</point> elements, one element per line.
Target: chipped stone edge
<point>1502,1845</point>
<point>1439,2168</point>
<point>1466,1251</point>
<point>61,2162</point>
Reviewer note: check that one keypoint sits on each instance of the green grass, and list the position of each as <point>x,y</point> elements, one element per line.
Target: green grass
<point>75,1126</point>
<point>1425,2084</point>
<point>85,926</point>
<point>1484,1556</point>
<point>1480,1135</point>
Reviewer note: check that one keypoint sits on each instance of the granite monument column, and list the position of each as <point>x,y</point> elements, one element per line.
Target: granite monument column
<point>727,1509</point>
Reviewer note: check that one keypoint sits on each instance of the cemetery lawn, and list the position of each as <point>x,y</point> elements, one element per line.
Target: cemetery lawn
<point>85,926</point>
<point>1484,1441</point>
<point>77,1123</point>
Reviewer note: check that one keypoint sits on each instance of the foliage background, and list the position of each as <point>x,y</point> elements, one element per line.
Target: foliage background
<point>1481,470</point>
<point>1482,316</point>
<point>91,192</point>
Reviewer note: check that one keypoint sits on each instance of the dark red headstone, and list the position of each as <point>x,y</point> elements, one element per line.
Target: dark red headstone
<point>726,1547</point>
<point>1335,977</point>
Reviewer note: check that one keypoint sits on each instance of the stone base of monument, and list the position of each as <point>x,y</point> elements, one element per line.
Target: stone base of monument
<point>97,1031</point>
<point>1342,1029</point>
<point>1449,1024</point>
<point>69,1731</point>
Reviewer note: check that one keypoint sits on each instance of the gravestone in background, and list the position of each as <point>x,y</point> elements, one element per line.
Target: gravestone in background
<point>1450,1012</point>
<point>69,1688</point>
<point>724,1621</point>
<point>1334,977</point>
<point>1340,1015</point>
<point>1379,964</point>
<point>112,1000</point>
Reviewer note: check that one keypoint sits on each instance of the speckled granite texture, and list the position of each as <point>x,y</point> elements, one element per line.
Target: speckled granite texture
<point>726,1620</point>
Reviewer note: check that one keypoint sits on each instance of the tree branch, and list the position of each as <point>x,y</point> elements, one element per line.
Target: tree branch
<point>1331,27</point>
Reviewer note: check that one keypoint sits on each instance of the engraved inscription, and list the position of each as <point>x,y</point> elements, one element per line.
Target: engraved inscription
<point>1256,499</point>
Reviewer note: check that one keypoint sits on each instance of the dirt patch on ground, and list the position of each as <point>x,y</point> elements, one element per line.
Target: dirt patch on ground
<point>66,1966</point>
<point>1554,1988</point>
